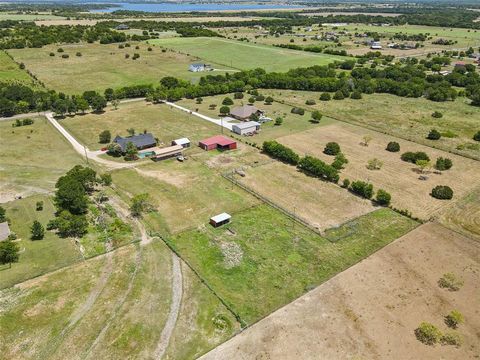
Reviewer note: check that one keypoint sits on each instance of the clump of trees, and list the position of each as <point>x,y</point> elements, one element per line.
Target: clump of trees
<point>140,204</point>
<point>227,101</point>
<point>428,333</point>
<point>362,189</point>
<point>413,157</point>
<point>298,111</point>
<point>393,146</point>
<point>383,198</point>
<point>9,252</point>
<point>332,148</point>
<point>318,168</point>
<point>442,192</point>
<point>281,152</point>
<point>325,96</point>
<point>443,164</point>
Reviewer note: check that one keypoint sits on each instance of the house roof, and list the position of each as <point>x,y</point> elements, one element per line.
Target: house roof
<point>246,125</point>
<point>139,141</point>
<point>244,111</point>
<point>220,217</point>
<point>4,231</point>
<point>181,141</point>
<point>219,140</point>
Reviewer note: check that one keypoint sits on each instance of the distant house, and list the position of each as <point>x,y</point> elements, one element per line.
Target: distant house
<point>141,141</point>
<point>218,142</point>
<point>199,67</point>
<point>244,112</point>
<point>220,219</point>
<point>248,127</point>
<point>184,142</point>
<point>122,27</point>
<point>4,231</point>
<point>375,45</point>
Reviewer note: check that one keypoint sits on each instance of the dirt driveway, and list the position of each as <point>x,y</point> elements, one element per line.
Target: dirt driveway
<point>371,310</point>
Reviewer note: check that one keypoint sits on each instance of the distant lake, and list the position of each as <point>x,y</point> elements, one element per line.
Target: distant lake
<point>184,7</point>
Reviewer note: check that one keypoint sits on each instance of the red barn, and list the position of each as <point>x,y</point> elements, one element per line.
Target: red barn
<point>218,142</point>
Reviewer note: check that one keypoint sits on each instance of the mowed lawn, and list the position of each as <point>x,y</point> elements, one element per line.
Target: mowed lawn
<point>103,66</point>
<point>9,70</point>
<point>306,197</point>
<point>33,158</point>
<point>185,195</point>
<point>164,122</point>
<point>292,123</point>
<point>262,260</point>
<point>399,178</point>
<point>244,56</point>
<point>403,117</point>
<point>39,256</point>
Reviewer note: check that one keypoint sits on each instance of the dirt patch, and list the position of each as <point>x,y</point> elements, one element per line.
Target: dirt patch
<point>232,254</point>
<point>396,176</point>
<point>371,310</point>
<point>172,178</point>
<point>322,205</point>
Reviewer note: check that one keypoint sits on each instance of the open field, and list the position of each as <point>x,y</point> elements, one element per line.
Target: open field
<point>371,310</point>
<point>28,17</point>
<point>9,70</point>
<point>40,256</point>
<point>306,197</point>
<point>464,215</point>
<point>244,56</point>
<point>33,158</point>
<point>110,307</point>
<point>164,122</point>
<point>263,260</point>
<point>186,195</point>
<point>398,177</point>
<point>292,123</point>
<point>403,117</point>
<point>104,66</point>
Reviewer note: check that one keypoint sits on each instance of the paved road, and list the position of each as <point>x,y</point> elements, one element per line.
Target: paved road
<point>218,122</point>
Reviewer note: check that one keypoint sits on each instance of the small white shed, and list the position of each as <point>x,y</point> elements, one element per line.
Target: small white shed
<point>220,219</point>
<point>184,142</point>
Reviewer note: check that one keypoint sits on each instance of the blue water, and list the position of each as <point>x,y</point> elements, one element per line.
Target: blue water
<point>171,7</point>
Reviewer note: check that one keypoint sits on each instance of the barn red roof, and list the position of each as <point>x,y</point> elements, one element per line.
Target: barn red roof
<point>218,140</point>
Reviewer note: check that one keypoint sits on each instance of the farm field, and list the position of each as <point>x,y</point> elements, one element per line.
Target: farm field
<point>10,71</point>
<point>28,17</point>
<point>263,260</point>
<point>40,256</point>
<point>292,123</point>
<point>399,178</point>
<point>244,56</point>
<point>33,158</point>
<point>164,122</point>
<point>113,306</point>
<point>406,118</point>
<point>103,66</point>
<point>186,195</point>
<point>306,197</point>
<point>371,310</point>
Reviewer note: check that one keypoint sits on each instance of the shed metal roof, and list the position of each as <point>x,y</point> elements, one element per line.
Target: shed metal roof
<point>246,125</point>
<point>219,140</point>
<point>181,141</point>
<point>220,217</point>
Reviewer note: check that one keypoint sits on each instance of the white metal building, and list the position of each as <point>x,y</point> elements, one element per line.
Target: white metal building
<point>246,127</point>
<point>184,142</point>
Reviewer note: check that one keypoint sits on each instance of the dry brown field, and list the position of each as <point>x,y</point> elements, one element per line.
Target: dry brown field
<point>320,204</point>
<point>399,178</point>
<point>371,310</point>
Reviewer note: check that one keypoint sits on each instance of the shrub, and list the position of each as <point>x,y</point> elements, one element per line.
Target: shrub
<point>339,161</point>
<point>127,56</point>
<point>104,137</point>
<point>238,95</point>
<point>332,148</point>
<point>37,231</point>
<point>52,54</point>
<point>316,116</point>
<point>374,164</point>
<point>60,50</point>
<point>268,100</point>
<point>298,111</point>
<point>224,110</point>
<point>280,152</point>
<point>318,168</point>
<point>39,206</point>
<point>356,95</point>
<point>199,100</point>
<point>260,97</point>
<point>325,97</point>
<point>362,188</point>
<point>454,319</point>
<point>278,121</point>
<point>345,183</point>
<point>310,102</point>
<point>428,333</point>
<point>65,56</point>
<point>251,100</point>
<point>413,157</point>
<point>450,281</point>
<point>451,338</point>
<point>149,49</point>
<point>443,164</point>
<point>393,146</point>
<point>437,115</point>
<point>121,46</point>
<point>383,198</point>
<point>442,192</point>
<point>476,137</point>
<point>338,95</point>
<point>78,54</point>
<point>135,56</point>
<point>434,135</point>
<point>227,101</point>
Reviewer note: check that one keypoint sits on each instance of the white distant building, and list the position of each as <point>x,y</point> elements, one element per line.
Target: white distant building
<point>376,45</point>
<point>184,142</point>
<point>198,67</point>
